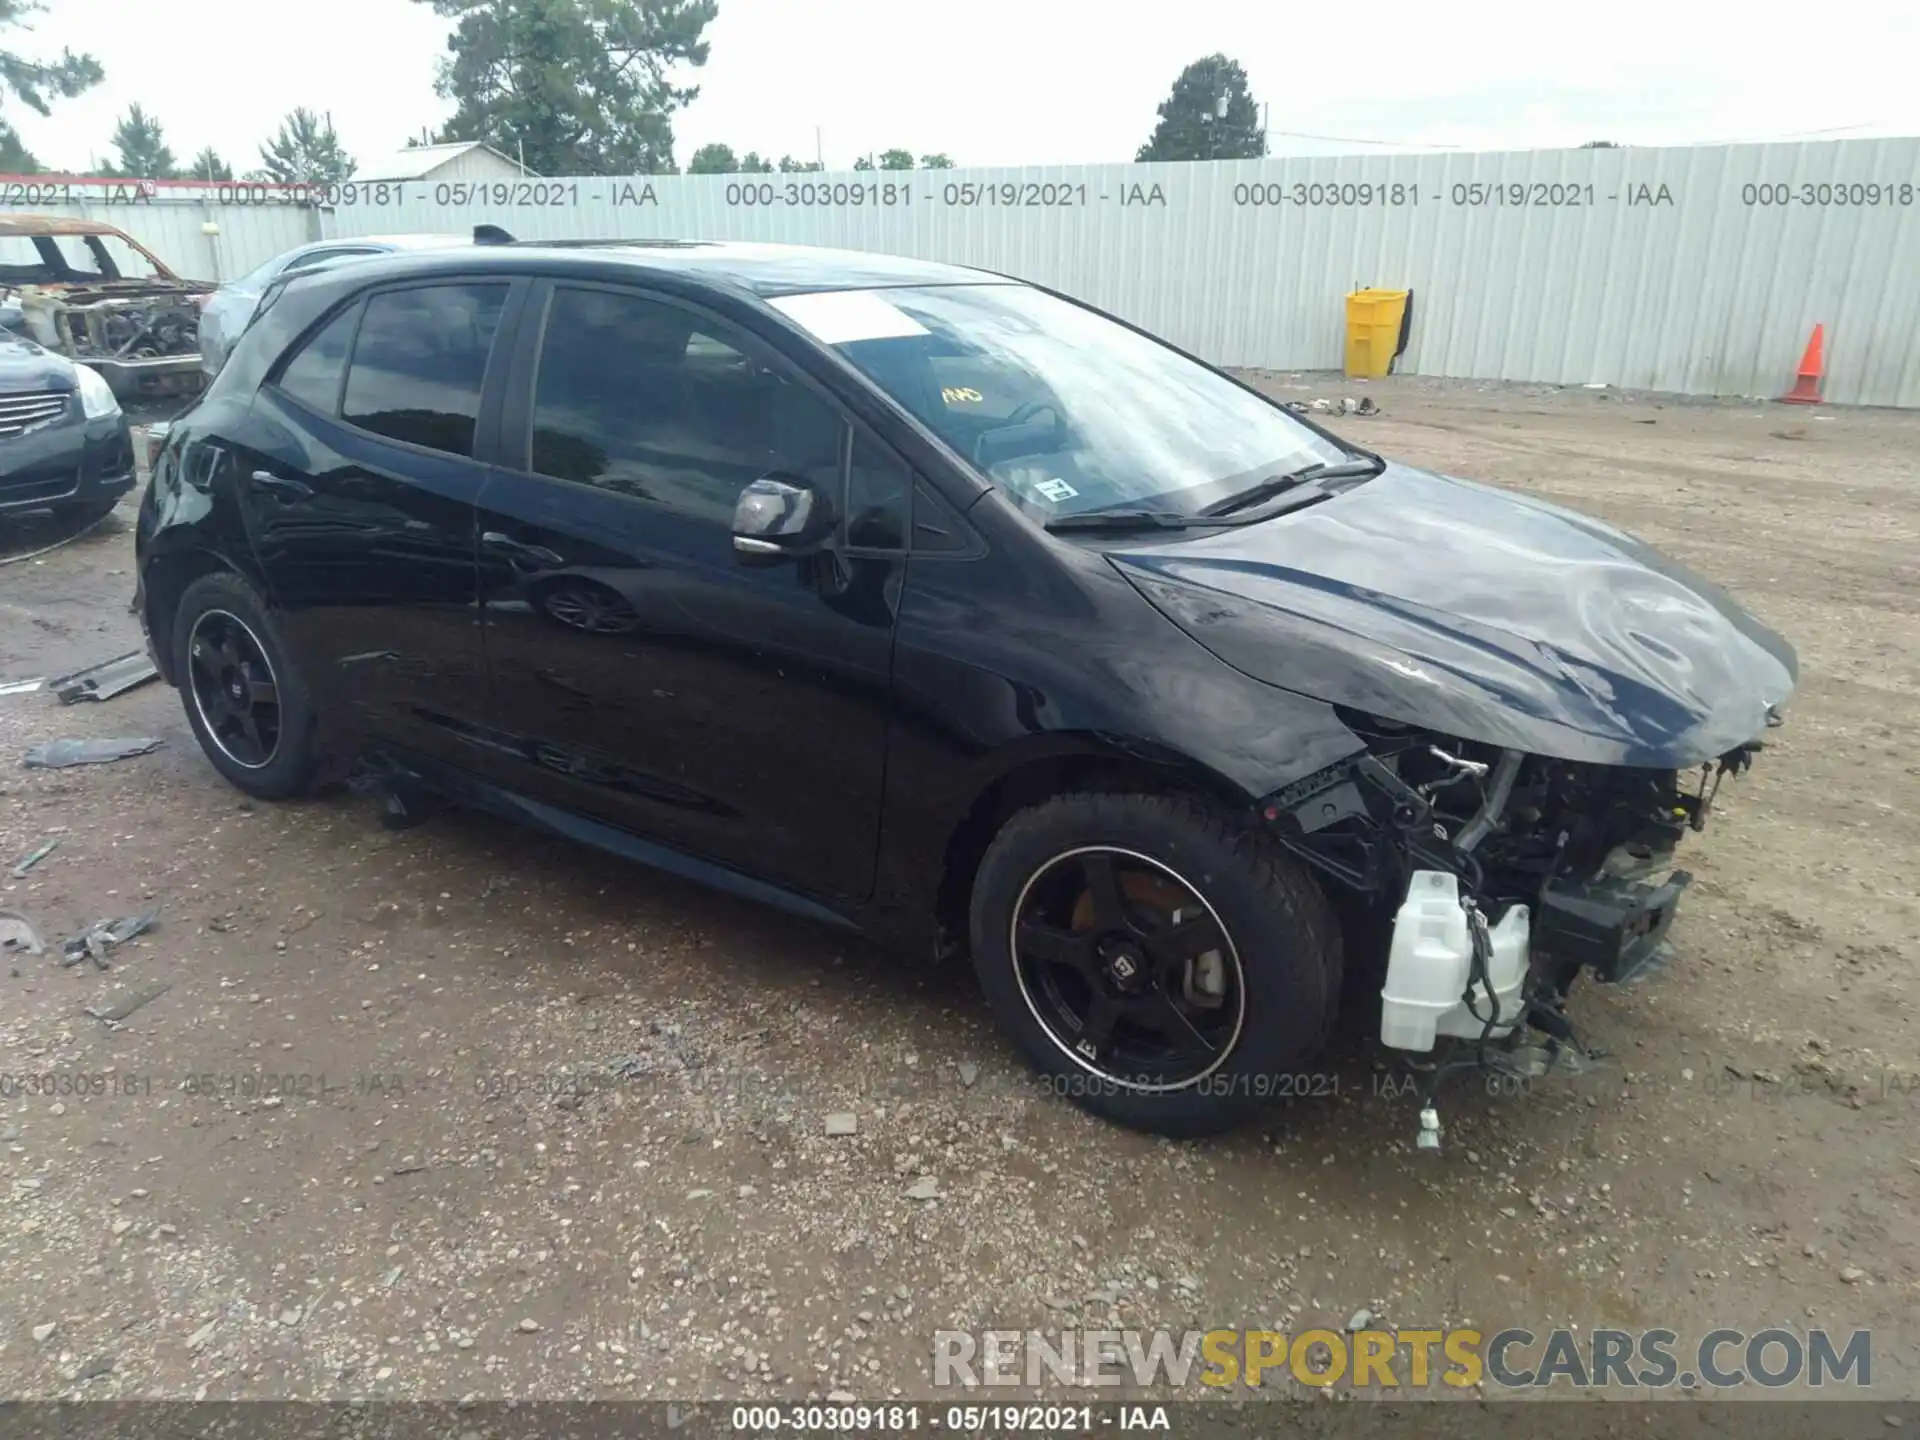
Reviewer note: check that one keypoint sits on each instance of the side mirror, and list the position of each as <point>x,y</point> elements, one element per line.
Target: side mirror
<point>780,517</point>
<point>12,317</point>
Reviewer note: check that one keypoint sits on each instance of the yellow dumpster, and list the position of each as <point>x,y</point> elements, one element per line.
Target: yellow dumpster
<point>1376,331</point>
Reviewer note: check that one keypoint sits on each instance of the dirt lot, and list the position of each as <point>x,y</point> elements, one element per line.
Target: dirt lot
<point>458,1112</point>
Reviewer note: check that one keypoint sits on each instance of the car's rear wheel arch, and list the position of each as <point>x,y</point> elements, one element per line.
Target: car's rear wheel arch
<point>165,581</point>
<point>1082,764</point>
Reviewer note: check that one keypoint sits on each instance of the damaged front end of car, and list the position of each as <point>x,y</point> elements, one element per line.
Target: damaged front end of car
<point>1541,707</point>
<point>1506,874</point>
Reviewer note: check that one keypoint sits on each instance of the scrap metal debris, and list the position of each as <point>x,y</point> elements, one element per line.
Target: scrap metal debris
<point>107,679</point>
<point>59,754</point>
<point>32,858</point>
<point>631,1067</point>
<point>99,938</point>
<point>130,1002</point>
<point>17,935</point>
<point>1346,405</point>
<point>22,687</point>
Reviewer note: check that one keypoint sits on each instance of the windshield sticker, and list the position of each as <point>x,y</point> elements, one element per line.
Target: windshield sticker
<point>961,395</point>
<point>1056,490</point>
<point>840,317</point>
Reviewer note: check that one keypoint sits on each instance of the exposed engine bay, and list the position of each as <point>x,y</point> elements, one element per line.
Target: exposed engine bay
<point>1504,875</point>
<point>120,322</point>
<point>89,292</point>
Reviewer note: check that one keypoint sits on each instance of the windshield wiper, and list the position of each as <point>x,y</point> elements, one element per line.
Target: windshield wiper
<point>1120,520</point>
<point>1279,484</point>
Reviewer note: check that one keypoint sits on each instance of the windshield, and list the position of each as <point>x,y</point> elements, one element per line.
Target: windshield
<point>1063,409</point>
<point>258,277</point>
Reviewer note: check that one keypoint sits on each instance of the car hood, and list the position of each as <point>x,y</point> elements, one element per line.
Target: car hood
<point>225,315</point>
<point>1480,614</point>
<point>92,292</point>
<point>26,366</point>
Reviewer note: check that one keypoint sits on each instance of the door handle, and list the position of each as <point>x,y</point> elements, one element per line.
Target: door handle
<point>281,485</point>
<point>519,550</point>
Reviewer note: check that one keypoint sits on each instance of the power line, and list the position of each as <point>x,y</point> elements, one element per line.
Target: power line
<point>1435,145</point>
<point>1794,135</point>
<point>1350,140</point>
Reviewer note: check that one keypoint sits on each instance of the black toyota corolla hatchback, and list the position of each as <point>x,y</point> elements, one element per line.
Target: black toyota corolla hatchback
<point>924,601</point>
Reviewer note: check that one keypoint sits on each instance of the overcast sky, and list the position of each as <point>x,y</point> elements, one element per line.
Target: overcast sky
<point>1008,82</point>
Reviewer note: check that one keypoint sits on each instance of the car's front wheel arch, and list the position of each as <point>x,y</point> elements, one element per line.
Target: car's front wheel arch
<point>1064,765</point>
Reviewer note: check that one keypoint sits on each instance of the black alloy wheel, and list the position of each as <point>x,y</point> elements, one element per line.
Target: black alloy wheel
<point>591,608</point>
<point>234,689</point>
<point>1127,968</point>
<point>1159,959</point>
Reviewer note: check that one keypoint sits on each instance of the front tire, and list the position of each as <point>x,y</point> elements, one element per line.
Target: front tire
<point>247,703</point>
<point>1161,963</point>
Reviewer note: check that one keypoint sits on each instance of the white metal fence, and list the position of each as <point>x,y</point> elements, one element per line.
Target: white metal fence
<point>1696,270</point>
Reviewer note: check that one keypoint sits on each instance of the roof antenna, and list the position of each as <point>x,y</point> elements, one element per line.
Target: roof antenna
<point>491,235</point>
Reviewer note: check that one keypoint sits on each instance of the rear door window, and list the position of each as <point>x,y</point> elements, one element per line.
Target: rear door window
<point>419,362</point>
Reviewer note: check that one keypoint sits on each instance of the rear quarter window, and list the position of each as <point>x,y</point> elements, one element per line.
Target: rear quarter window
<point>314,373</point>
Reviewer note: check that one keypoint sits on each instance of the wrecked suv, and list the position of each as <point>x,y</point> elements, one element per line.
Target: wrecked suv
<point>918,600</point>
<point>90,292</point>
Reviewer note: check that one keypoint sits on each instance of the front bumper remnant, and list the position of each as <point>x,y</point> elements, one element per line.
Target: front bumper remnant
<point>1615,927</point>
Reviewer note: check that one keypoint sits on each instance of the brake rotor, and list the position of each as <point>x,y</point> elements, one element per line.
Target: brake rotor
<point>1203,981</point>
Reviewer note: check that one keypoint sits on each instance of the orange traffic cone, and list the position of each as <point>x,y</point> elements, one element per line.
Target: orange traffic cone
<point>1806,386</point>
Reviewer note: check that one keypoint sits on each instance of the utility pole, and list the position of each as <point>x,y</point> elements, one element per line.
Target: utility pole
<point>819,155</point>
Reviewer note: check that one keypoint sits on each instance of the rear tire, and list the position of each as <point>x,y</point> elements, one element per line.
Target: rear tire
<point>248,705</point>
<point>1158,918</point>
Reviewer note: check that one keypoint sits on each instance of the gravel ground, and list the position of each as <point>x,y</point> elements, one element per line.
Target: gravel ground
<point>459,1112</point>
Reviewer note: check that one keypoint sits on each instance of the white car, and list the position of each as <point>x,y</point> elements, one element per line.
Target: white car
<point>225,313</point>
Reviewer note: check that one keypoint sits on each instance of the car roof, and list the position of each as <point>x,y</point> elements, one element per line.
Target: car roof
<point>427,240</point>
<point>56,225</point>
<point>762,270</point>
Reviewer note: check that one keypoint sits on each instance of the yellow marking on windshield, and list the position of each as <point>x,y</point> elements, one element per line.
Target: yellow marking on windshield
<point>961,395</point>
